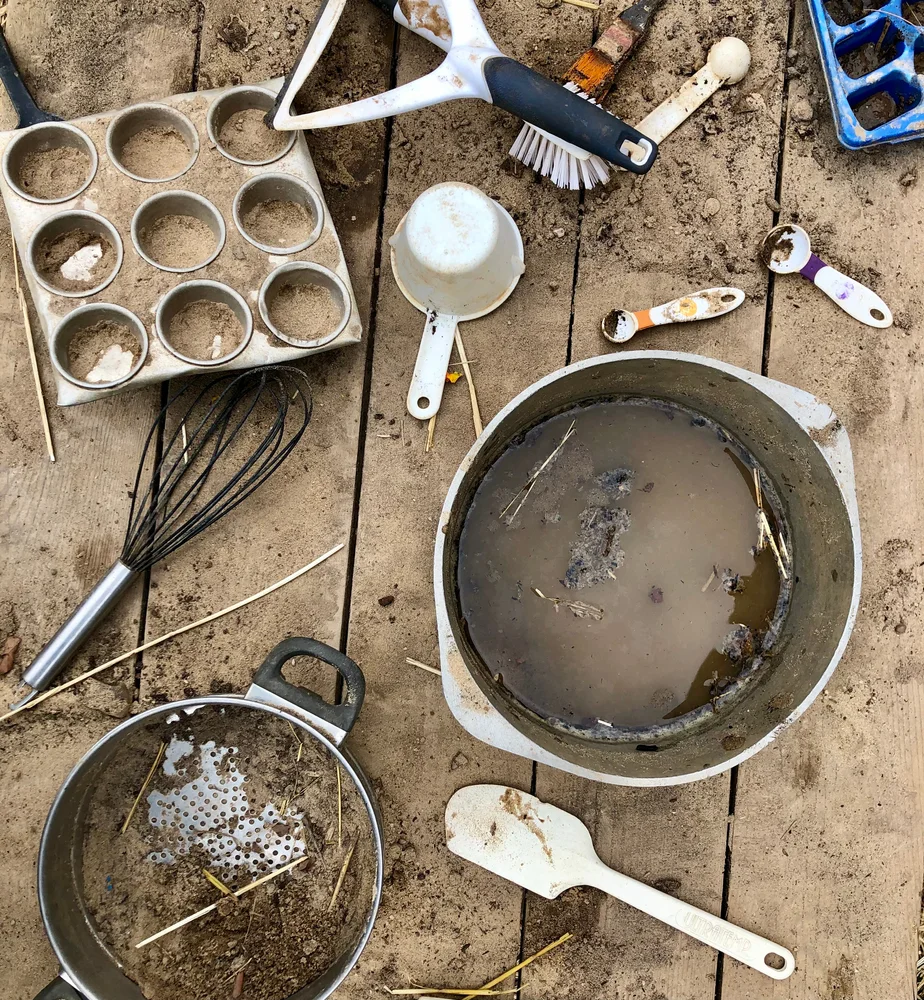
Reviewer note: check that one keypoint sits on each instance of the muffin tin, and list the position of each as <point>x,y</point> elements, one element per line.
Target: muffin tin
<point>256,215</point>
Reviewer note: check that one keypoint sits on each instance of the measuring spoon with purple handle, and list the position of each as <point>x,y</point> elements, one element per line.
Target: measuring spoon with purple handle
<point>788,249</point>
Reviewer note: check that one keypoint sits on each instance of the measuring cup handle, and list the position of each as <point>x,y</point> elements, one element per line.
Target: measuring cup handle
<point>426,391</point>
<point>339,718</point>
<point>59,990</point>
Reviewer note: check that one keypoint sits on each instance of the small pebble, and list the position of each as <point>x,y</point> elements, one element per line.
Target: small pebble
<point>801,110</point>
<point>559,232</point>
<point>387,600</point>
<point>712,207</point>
<point>656,595</point>
<point>772,203</point>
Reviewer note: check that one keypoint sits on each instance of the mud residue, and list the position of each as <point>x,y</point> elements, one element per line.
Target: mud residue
<point>778,246</point>
<point>427,16</point>
<point>205,330</point>
<point>99,351</point>
<point>75,261</point>
<point>178,241</point>
<point>303,312</point>
<point>155,152</point>
<point>596,553</point>
<point>512,802</point>
<point>246,136</point>
<point>826,436</point>
<point>54,173</point>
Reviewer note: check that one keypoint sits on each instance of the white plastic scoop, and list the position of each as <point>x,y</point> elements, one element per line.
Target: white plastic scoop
<point>787,249</point>
<point>456,255</point>
<point>547,851</point>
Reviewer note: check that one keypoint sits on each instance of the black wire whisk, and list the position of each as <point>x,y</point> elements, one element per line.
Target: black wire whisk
<point>207,450</point>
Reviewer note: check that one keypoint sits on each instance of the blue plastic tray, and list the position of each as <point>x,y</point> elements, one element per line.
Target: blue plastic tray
<point>877,93</point>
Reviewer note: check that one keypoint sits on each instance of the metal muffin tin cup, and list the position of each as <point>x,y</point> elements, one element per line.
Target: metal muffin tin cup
<point>302,272</point>
<point>168,203</point>
<point>65,222</point>
<point>131,121</point>
<point>198,291</point>
<point>82,318</point>
<point>44,138</point>
<point>243,99</point>
<point>277,187</point>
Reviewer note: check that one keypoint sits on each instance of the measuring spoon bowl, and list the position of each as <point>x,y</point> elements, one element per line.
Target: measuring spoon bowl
<point>786,249</point>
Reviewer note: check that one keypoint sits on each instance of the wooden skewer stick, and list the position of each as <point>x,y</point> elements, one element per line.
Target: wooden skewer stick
<point>208,909</point>
<point>144,786</point>
<point>170,635</point>
<point>431,429</point>
<point>467,368</point>
<point>30,341</point>
<point>423,666</point>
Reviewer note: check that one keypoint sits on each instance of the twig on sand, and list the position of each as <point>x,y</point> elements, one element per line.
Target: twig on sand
<point>578,608</point>
<point>208,909</point>
<point>343,871</point>
<point>431,430</point>
<point>30,343</point>
<point>466,367</point>
<point>144,786</point>
<point>169,635</point>
<point>423,666</point>
<point>528,487</point>
<point>522,965</point>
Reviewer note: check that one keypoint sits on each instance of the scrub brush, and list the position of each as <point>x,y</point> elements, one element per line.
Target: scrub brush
<point>591,76</point>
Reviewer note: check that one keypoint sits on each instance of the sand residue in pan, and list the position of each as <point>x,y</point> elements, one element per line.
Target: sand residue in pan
<point>54,173</point>
<point>75,261</point>
<point>154,152</point>
<point>178,241</point>
<point>205,330</point>
<point>280,803</point>
<point>246,136</point>
<point>279,224</point>
<point>103,352</point>
<point>304,312</point>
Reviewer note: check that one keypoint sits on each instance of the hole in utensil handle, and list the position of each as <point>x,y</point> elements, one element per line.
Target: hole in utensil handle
<point>775,961</point>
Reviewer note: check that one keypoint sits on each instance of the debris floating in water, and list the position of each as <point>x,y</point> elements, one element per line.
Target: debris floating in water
<point>578,608</point>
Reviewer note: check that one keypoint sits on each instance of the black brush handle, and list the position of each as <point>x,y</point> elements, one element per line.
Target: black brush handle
<point>27,110</point>
<point>639,15</point>
<point>547,105</point>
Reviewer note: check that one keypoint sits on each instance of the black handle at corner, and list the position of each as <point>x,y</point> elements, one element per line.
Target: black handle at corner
<point>28,112</point>
<point>388,6</point>
<point>59,990</point>
<point>547,105</point>
<point>269,676</point>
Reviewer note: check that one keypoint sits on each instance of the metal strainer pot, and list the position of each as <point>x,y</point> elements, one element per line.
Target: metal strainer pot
<point>209,812</point>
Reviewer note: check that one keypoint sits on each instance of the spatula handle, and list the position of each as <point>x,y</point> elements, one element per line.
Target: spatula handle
<point>758,952</point>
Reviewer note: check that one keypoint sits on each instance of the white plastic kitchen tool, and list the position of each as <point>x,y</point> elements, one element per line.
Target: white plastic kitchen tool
<point>546,850</point>
<point>727,63</point>
<point>473,67</point>
<point>456,255</point>
<point>620,325</point>
<point>787,249</point>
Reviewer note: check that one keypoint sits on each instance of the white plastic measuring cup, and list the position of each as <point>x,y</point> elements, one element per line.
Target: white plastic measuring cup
<point>456,255</point>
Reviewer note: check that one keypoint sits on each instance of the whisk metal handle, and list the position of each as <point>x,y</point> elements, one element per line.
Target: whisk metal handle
<point>72,634</point>
<point>336,720</point>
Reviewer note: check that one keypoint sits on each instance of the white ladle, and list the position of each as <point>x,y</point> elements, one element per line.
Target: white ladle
<point>456,255</point>
<point>547,851</point>
<point>787,249</point>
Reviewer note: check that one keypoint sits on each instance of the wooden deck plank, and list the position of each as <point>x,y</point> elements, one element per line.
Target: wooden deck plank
<point>643,242</point>
<point>62,525</point>
<point>444,922</point>
<point>307,508</point>
<point>828,853</point>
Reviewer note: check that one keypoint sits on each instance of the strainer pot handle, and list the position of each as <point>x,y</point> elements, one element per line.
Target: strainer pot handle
<point>59,990</point>
<point>336,720</point>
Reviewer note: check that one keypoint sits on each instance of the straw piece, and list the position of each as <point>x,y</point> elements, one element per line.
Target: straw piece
<point>340,811</point>
<point>170,635</point>
<point>528,488</point>
<point>765,525</point>
<point>217,882</point>
<point>30,342</point>
<point>522,965</point>
<point>466,367</point>
<point>431,428</point>
<point>144,786</point>
<point>343,871</point>
<point>420,990</point>
<point>584,4</point>
<point>208,909</point>
<point>423,666</point>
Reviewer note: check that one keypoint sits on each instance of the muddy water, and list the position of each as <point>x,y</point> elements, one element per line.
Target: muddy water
<point>627,523</point>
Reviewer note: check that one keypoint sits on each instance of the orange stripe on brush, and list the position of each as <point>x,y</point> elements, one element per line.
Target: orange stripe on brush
<point>595,70</point>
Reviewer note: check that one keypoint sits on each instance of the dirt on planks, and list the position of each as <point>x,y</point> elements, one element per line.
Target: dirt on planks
<point>239,793</point>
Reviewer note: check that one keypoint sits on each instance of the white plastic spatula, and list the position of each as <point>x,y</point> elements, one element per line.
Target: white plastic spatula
<point>547,851</point>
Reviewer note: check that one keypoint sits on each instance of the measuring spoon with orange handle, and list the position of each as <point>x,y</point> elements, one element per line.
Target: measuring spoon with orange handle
<point>620,325</point>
